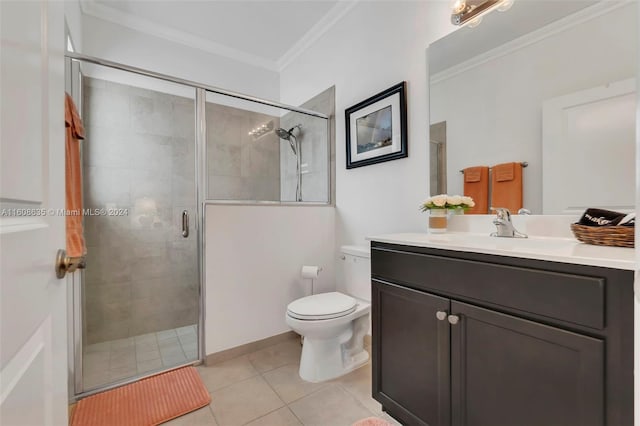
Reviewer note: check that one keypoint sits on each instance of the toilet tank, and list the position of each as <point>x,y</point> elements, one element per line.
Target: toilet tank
<point>356,271</point>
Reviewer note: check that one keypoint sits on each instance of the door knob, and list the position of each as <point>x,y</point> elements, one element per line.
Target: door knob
<point>441,315</point>
<point>453,319</point>
<point>68,264</point>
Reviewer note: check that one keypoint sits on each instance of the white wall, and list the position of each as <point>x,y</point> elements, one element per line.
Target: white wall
<point>494,110</point>
<point>374,46</point>
<point>73,18</point>
<point>254,255</point>
<point>121,44</point>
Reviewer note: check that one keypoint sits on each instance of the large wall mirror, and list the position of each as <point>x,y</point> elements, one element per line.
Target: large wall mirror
<point>549,83</point>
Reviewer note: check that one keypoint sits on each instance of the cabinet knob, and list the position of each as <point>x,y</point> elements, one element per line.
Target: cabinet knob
<point>441,315</point>
<point>453,319</point>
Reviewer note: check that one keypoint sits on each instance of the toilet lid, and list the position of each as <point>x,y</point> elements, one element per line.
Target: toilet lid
<point>322,306</point>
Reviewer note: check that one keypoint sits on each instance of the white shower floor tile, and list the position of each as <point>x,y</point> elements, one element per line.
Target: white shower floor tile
<point>107,362</point>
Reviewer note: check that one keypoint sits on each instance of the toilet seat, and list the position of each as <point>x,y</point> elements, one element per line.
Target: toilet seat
<point>322,306</point>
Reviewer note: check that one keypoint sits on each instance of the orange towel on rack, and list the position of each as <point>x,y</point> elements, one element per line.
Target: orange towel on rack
<point>476,186</point>
<point>506,186</point>
<point>73,179</point>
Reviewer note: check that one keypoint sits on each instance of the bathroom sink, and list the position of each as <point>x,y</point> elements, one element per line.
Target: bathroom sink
<point>566,250</point>
<point>505,243</point>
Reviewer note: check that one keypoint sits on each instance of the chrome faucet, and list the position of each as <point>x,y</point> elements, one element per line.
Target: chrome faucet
<point>504,226</point>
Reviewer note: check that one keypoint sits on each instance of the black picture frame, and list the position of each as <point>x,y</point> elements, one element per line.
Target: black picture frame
<point>383,144</point>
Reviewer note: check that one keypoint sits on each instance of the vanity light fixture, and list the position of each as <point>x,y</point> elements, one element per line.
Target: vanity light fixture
<point>470,12</point>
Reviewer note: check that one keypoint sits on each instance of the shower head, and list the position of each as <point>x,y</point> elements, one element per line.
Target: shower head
<point>283,134</point>
<point>287,135</point>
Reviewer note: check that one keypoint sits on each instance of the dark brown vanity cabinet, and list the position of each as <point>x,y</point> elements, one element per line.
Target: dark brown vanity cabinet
<point>446,353</point>
<point>411,359</point>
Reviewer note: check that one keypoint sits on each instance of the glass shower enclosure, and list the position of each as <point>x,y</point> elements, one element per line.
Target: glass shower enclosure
<point>261,153</point>
<point>157,151</point>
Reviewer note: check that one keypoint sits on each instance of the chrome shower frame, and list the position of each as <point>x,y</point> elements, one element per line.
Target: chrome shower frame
<point>73,78</point>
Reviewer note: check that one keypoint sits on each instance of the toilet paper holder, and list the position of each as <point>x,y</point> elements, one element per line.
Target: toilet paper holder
<point>310,272</point>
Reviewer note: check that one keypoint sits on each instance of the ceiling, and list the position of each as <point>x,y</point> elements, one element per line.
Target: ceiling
<point>264,33</point>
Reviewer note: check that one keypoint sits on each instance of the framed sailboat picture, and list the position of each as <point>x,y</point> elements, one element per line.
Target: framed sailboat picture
<point>377,128</point>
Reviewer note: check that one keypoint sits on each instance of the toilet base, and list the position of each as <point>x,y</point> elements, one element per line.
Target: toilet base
<point>326,359</point>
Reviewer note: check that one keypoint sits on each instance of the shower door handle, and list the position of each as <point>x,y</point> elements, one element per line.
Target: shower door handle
<point>185,223</point>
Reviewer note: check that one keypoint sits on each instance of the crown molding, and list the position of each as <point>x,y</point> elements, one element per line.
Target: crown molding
<point>100,11</point>
<point>334,14</point>
<point>533,37</point>
<point>109,14</point>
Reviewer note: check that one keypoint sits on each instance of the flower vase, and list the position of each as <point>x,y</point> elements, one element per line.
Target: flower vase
<point>438,220</point>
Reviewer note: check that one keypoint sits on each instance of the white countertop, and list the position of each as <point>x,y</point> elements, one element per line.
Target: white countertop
<point>565,250</point>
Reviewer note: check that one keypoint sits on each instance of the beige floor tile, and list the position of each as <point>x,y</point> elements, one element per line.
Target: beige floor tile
<point>242,402</point>
<point>226,373</point>
<point>331,405</point>
<point>358,384</point>
<point>288,385</point>
<point>276,356</point>
<point>385,416</point>
<point>281,417</point>
<point>201,417</point>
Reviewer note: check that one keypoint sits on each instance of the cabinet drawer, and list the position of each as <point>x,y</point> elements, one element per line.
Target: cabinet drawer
<point>572,298</point>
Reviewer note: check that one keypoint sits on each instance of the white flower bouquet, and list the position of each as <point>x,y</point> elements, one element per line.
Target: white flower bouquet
<point>450,202</point>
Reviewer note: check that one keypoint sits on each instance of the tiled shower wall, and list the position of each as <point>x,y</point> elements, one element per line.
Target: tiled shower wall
<point>141,274</point>
<point>239,166</point>
<point>314,143</point>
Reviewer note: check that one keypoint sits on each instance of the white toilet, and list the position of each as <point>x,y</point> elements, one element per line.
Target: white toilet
<point>334,324</point>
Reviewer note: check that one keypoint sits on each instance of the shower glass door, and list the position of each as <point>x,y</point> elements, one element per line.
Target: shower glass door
<point>140,291</point>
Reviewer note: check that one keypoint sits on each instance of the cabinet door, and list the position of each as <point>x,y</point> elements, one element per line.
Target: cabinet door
<point>507,371</point>
<point>411,355</point>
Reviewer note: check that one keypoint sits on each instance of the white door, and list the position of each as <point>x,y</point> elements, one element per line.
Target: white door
<point>33,333</point>
<point>588,149</point>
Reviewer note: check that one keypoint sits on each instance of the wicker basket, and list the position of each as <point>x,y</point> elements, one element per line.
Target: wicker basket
<point>617,236</point>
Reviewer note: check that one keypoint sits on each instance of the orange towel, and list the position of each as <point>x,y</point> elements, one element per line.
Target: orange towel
<point>506,186</point>
<point>476,186</point>
<point>73,179</point>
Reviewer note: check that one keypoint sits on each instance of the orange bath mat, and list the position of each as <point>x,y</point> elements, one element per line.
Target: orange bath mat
<point>150,401</point>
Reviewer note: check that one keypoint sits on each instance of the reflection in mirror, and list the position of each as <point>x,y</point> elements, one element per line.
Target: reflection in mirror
<point>551,84</point>
<point>438,157</point>
<point>470,12</point>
